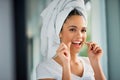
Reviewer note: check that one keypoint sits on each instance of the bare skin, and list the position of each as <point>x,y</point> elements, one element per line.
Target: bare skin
<point>73,36</point>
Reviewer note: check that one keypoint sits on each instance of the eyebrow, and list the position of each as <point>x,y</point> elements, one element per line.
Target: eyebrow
<point>72,26</point>
<point>75,26</point>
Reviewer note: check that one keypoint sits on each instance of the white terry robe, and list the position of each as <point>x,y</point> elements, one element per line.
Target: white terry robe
<point>51,69</point>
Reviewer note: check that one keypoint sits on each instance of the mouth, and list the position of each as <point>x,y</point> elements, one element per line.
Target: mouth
<point>77,43</point>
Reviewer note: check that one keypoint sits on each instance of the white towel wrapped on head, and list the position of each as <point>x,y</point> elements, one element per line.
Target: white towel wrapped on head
<point>53,18</point>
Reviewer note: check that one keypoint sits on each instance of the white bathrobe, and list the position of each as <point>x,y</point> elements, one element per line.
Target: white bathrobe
<point>51,69</point>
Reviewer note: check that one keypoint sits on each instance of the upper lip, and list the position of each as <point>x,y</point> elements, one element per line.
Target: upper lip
<point>77,41</point>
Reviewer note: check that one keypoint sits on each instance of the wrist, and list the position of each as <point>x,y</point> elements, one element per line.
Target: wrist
<point>66,65</point>
<point>66,73</point>
<point>95,63</point>
<point>66,62</point>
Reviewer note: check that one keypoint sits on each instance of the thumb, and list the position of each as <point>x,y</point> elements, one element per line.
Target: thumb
<point>68,45</point>
<point>89,45</point>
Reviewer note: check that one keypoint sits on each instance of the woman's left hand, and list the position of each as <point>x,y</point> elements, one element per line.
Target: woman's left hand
<point>94,54</point>
<point>94,51</point>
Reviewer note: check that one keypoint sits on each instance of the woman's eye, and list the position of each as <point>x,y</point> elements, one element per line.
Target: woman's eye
<point>84,30</point>
<point>73,30</point>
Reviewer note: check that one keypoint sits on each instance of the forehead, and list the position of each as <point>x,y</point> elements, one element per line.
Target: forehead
<point>75,20</point>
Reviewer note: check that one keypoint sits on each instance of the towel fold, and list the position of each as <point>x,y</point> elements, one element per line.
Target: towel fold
<point>53,18</point>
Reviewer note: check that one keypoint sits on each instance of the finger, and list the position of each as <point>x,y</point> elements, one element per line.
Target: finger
<point>68,46</point>
<point>98,50</point>
<point>88,43</point>
<point>94,46</point>
<point>90,46</point>
<point>60,48</point>
<point>65,53</point>
<point>63,47</point>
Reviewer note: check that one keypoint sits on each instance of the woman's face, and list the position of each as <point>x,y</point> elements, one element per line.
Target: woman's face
<point>74,33</point>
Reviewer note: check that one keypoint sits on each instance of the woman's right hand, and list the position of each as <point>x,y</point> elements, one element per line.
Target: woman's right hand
<point>63,52</point>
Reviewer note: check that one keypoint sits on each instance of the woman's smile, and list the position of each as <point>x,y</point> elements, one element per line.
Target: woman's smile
<point>77,44</point>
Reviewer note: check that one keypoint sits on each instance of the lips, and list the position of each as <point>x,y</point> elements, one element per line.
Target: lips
<point>77,43</point>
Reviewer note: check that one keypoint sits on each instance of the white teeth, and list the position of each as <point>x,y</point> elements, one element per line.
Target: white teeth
<point>76,42</point>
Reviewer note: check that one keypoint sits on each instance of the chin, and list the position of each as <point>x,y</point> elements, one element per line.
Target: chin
<point>75,51</point>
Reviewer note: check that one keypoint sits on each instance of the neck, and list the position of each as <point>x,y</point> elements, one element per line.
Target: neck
<point>74,57</point>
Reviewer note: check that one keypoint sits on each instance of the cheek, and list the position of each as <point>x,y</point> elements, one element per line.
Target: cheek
<point>67,38</point>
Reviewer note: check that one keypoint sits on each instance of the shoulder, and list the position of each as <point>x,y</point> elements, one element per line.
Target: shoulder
<point>44,66</point>
<point>43,69</point>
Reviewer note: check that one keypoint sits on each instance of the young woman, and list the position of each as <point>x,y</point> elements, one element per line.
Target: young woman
<point>66,64</point>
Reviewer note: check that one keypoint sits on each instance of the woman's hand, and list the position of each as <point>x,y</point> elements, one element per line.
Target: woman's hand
<point>63,52</point>
<point>94,51</point>
<point>94,54</point>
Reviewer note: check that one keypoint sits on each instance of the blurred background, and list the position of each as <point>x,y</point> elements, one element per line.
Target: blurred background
<point>20,26</point>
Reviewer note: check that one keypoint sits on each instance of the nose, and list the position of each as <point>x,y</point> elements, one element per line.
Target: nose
<point>79,35</point>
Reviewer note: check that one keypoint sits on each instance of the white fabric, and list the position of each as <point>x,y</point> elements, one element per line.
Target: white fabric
<point>51,69</point>
<point>53,17</point>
